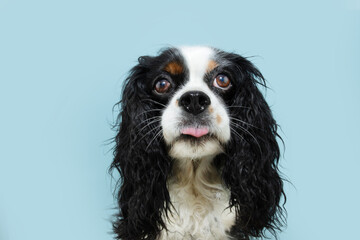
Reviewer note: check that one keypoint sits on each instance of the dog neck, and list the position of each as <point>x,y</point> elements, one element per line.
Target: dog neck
<point>199,202</point>
<point>200,176</point>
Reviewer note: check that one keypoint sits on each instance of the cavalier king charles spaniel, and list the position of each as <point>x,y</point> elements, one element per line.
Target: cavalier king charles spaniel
<point>196,149</point>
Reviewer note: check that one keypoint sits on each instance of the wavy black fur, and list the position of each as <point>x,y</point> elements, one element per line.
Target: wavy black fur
<point>143,195</point>
<point>251,161</point>
<point>249,165</point>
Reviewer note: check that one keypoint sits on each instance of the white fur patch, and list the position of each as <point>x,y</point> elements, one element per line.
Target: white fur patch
<point>196,190</point>
<point>185,150</point>
<point>197,60</point>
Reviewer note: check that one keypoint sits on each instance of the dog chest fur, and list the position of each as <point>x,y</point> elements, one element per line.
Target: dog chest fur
<point>199,202</point>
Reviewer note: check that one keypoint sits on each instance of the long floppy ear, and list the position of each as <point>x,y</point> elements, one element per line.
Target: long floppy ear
<point>141,159</point>
<point>250,167</point>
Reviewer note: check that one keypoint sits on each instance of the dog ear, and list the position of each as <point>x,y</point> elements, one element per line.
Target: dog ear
<point>250,167</point>
<point>141,159</point>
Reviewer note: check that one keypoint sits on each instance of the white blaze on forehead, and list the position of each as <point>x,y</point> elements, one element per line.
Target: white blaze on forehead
<point>197,61</point>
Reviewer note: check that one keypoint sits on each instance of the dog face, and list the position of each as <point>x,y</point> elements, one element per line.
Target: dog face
<point>195,122</point>
<point>194,84</point>
<point>195,103</point>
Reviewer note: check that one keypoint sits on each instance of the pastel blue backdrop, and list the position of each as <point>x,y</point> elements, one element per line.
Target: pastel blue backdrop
<point>62,65</point>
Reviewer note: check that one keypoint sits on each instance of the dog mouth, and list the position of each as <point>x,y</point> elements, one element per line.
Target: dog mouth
<point>196,132</point>
<point>195,142</point>
<point>196,135</point>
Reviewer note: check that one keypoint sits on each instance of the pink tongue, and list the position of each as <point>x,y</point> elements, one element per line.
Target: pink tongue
<point>196,132</point>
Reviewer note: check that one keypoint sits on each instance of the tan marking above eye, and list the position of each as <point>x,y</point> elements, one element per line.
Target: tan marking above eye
<point>174,68</point>
<point>211,65</point>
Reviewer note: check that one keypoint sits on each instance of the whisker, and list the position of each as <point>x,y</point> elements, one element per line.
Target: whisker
<point>238,107</point>
<point>154,139</point>
<point>151,100</point>
<point>154,121</point>
<point>237,134</point>
<point>152,130</point>
<point>152,110</point>
<point>147,120</point>
<point>245,130</point>
<point>239,120</point>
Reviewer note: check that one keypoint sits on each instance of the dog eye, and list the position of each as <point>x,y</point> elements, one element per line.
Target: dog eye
<point>222,81</point>
<point>162,86</point>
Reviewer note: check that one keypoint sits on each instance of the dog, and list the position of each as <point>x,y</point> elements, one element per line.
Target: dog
<point>196,148</point>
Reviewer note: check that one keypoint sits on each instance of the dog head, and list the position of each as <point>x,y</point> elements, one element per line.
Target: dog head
<point>193,103</point>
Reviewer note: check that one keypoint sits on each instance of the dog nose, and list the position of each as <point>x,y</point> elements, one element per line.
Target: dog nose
<point>194,102</point>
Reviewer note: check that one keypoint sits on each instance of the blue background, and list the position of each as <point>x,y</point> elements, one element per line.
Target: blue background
<point>62,64</point>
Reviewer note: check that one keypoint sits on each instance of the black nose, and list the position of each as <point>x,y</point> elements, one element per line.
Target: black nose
<point>194,102</point>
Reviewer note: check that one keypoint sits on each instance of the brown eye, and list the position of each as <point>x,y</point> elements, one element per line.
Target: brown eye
<point>222,81</point>
<point>162,86</point>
